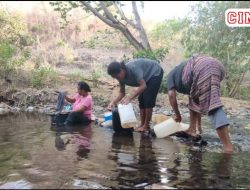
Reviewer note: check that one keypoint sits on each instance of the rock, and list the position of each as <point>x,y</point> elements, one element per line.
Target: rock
<point>2,111</point>
<point>243,113</point>
<point>158,186</point>
<point>247,127</point>
<point>14,177</point>
<point>99,109</point>
<point>4,108</point>
<point>168,113</point>
<point>27,165</point>
<point>66,138</point>
<point>83,184</point>
<point>20,184</point>
<point>30,109</point>
<point>16,109</point>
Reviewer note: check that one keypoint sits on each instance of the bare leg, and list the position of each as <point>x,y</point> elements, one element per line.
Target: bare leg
<point>193,121</point>
<point>142,116</point>
<point>225,139</point>
<point>147,120</point>
<point>198,125</point>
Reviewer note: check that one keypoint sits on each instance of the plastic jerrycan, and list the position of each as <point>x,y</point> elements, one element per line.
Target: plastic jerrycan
<point>169,127</point>
<point>127,116</point>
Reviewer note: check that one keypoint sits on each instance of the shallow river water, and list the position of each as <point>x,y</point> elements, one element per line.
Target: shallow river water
<point>35,155</point>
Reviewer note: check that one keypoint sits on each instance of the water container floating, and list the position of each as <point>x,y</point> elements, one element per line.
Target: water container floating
<point>169,127</point>
<point>127,116</point>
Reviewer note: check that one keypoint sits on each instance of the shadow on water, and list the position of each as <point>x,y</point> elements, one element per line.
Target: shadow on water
<point>36,155</point>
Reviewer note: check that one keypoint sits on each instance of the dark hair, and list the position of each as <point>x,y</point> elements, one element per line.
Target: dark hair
<point>115,67</point>
<point>84,86</point>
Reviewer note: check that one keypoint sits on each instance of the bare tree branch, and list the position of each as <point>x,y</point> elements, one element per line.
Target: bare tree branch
<point>118,26</point>
<point>121,13</point>
<point>107,12</point>
<point>96,13</point>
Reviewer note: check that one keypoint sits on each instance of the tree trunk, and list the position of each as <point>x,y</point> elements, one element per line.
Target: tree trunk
<point>235,88</point>
<point>140,28</point>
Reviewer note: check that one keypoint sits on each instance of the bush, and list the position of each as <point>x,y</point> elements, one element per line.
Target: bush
<point>10,58</point>
<point>163,86</point>
<point>95,75</point>
<point>14,40</point>
<point>42,75</point>
<point>157,54</point>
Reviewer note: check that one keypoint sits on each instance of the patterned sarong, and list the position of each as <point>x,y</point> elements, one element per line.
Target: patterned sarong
<point>206,74</point>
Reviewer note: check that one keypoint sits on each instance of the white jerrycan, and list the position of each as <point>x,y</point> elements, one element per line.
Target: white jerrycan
<point>127,116</point>
<point>169,127</point>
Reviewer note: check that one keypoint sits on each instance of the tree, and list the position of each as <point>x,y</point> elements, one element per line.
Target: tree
<point>14,40</point>
<point>209,34</point>
<point>111,13</point>
<point>169,32</point>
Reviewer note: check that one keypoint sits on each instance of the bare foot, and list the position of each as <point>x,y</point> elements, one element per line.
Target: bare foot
<point>143,129</point>
<point>228,149</point>
<point>191,132</point>
<point>199,129</point>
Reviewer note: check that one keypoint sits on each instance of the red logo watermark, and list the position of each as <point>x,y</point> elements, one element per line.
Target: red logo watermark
<point>237,17</point>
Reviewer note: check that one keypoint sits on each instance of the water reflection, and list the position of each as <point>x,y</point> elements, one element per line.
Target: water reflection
<point>83,143</point>
<point>211,172</point>
<point>80,136</point>
<point>137,166</point>
<point>149,171</point>
<point>123,147</point>
<point>223,171</point>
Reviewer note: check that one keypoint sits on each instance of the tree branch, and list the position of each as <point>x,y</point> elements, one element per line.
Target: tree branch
<point>124,17</point>
<point>96,13</point>
<point>118,26</point>
<point>107,12</point>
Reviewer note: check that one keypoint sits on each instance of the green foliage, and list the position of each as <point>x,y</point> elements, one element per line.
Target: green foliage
<point>163,86</point>
<point>95,75</point>
<point>244,93</point>
<point>169,32</point>
<point>42,75</point>
<point>157,54</point>
<point>14,40</point>
<point>209,34</point>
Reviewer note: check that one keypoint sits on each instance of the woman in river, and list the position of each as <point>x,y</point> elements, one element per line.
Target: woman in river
<point>82,105</point>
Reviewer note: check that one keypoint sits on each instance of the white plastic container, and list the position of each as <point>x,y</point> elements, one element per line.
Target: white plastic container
<point>169,127</point>
<point>107,123</point>
<point>127,116</point>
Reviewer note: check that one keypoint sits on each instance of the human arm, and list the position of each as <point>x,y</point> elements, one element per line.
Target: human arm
<point>174,104</point>
<point>70,100</point>
<point>139,90</point>
<point>119,97</point>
